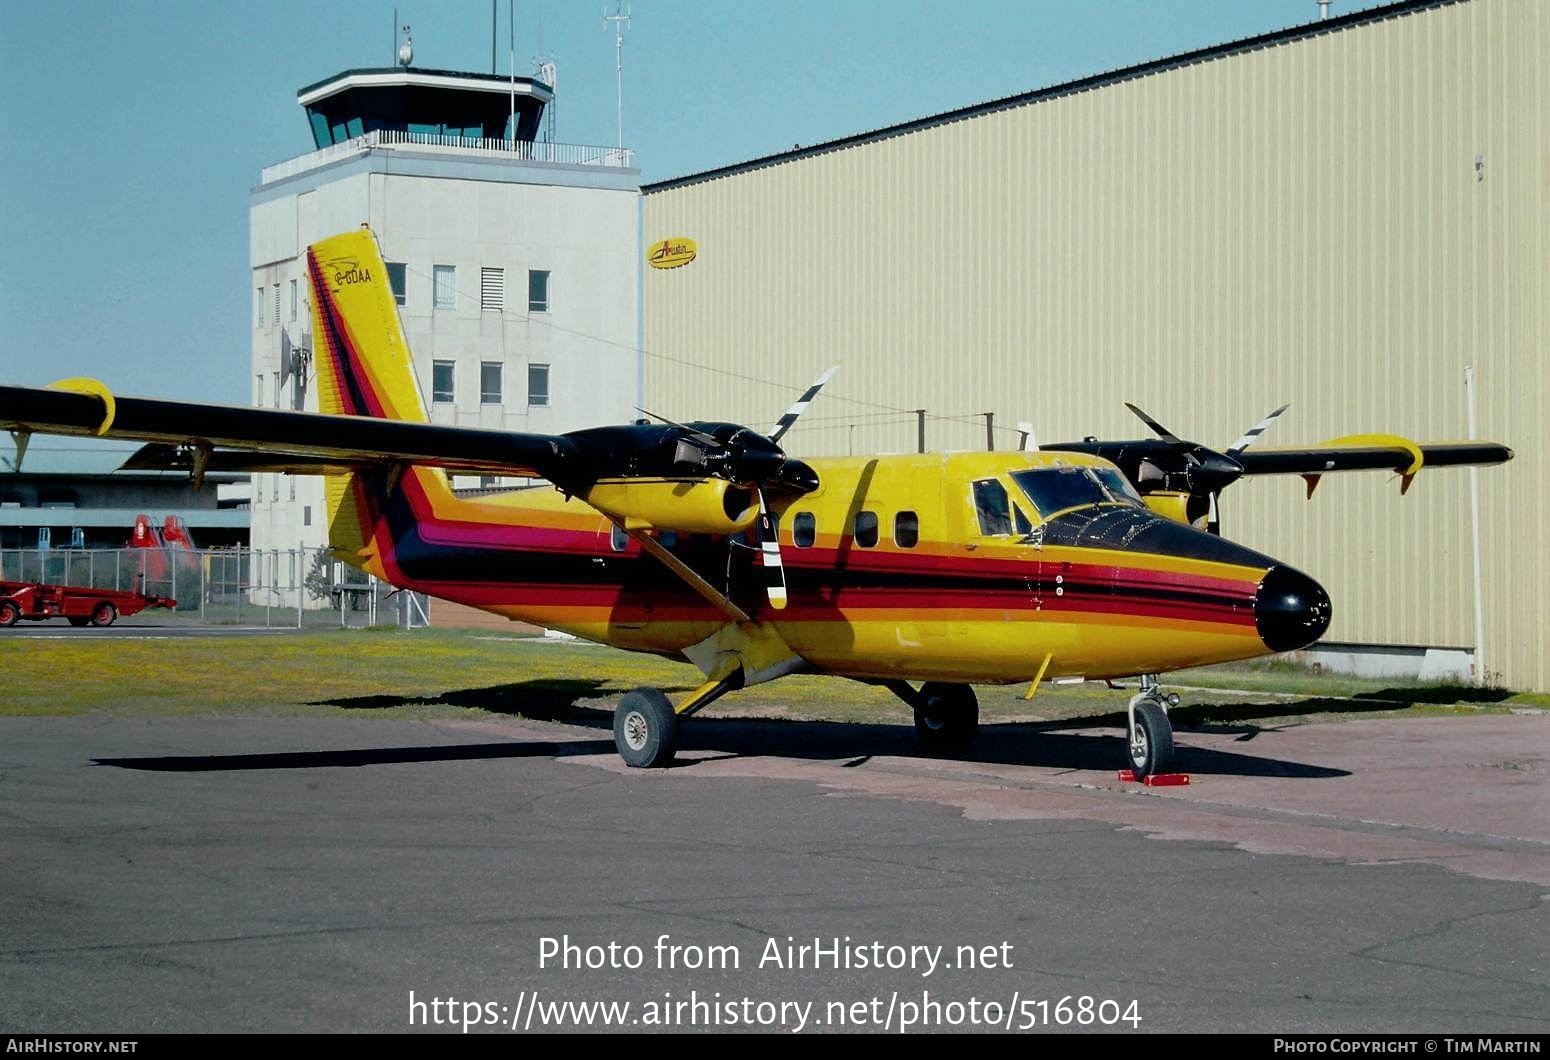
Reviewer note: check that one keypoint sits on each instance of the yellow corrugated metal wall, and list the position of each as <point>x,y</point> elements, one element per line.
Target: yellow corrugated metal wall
<point>1302,222</point>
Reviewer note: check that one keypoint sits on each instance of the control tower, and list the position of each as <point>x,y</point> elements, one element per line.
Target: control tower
<point>515,261</point>
<point>430,103</point>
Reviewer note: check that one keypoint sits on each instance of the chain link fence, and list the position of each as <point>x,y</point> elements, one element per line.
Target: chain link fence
<point>300,587</point>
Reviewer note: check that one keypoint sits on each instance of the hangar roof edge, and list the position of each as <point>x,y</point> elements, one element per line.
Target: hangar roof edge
<point>1065,88</point>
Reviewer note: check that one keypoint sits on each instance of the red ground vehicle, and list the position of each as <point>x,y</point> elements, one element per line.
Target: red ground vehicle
<point>81,605</point>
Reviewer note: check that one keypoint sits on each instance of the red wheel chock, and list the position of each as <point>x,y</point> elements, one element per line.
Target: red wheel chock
<point>1156,780</point>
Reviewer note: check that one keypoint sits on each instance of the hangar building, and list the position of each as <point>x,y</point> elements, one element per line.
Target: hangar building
<point>1343,215</point>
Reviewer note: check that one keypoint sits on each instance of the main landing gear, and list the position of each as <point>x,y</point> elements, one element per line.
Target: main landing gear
<point>646,722</point>
<point>1149,735</point>
<point>947,716</point>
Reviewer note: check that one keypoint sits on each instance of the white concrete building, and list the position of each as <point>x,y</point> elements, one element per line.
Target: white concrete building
<point>515,262</point>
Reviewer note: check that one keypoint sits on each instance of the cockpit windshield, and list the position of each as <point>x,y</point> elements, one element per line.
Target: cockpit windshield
<point>1054,489</point>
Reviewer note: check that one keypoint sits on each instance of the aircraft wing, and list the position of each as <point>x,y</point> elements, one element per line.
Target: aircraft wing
<point>1372,453</point>
<point>271,439</point>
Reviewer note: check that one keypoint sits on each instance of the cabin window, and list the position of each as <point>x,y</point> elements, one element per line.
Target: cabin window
<point>669,538</point>
<point>618,540</point>
<point>992,507</point>
<point>906,529</point>
<point>804,530</point>
<point>1023,525</point>
<point>866,529</point>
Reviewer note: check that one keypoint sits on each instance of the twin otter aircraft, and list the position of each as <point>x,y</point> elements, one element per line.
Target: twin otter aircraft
<point>705,541</point>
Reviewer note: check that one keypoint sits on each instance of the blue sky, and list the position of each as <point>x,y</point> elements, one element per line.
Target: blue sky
<point>133,131</point>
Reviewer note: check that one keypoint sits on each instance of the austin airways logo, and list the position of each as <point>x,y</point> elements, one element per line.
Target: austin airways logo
<point>671,253</point>
<point>345,271</point>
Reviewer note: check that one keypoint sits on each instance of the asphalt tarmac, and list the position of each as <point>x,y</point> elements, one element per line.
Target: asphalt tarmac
<point>355,874</point>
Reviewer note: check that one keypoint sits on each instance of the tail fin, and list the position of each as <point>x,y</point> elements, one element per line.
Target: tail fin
<point>363,368</point>
<point>363,363</point>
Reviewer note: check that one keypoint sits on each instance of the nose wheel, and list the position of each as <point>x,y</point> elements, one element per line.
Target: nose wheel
<point>1149,739</point>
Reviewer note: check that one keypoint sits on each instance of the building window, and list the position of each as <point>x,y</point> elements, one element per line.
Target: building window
<point>306,515</point>
<point>490,383</point>
<point>538,384</point>
<point>538,290</point>
<point>258,489</point>
<point>277,390</point>
<point>276,303</point>
<point>442,373</point>
<point>488,482</point>
<point>446,287</point>
<point>906,529</point>
<point>492,290</point>
<point>258,308</point>
<point>295,299</point>
<point>398,282</point>
<point>866,529</point>
<point>291,480</point>
<point>804,530</point>
<point>258,390</point>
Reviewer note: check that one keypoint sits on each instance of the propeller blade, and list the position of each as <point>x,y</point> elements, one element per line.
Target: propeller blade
<point>699,436</point>
<point>769,553</point>
<point>784,423</point>
<point>1213,520</point>
<point>1255,431</point>
<point>1162,432</point>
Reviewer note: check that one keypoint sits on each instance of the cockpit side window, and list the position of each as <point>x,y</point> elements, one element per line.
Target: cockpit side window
<point>992,507</point>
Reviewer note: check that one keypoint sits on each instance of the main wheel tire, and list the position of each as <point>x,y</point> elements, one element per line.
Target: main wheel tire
<point>1150,746</point>
<point>104,614</point>
<point>947,717</point>
<point>77,620</point>
<point>645,729</point>
<point>9,613</point>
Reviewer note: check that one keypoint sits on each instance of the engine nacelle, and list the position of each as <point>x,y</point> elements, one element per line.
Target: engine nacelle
<point>1170,505</point>
<point>689,506</point>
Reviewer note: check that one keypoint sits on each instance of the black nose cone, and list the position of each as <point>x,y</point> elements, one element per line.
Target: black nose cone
<point>1291,610</point>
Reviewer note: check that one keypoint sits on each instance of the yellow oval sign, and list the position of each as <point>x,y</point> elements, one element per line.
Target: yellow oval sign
<point>671,253</point>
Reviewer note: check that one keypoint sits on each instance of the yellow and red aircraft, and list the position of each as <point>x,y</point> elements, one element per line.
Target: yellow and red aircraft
<point>705,541</point>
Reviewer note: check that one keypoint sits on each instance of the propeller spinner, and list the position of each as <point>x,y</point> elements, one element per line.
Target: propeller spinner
<point>1195,469</point>
<point>754,461</point>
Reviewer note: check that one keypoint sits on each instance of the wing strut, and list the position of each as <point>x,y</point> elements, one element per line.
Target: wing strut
<point>690,577</point>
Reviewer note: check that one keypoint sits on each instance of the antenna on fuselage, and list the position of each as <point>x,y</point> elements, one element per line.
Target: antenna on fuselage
<point>1026,442</point>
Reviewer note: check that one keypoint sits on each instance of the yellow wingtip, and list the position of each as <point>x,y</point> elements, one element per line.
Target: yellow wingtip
<point>96,388</point>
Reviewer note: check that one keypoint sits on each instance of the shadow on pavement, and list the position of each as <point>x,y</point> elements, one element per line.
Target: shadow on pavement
<point>1010,743</point>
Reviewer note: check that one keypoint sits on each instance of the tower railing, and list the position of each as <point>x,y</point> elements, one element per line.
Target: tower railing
<point>440,143</point>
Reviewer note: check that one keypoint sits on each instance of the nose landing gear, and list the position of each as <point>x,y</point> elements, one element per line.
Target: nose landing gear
<point>1149,733</point>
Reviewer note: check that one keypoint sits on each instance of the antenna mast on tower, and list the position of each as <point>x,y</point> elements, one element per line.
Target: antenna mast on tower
<point>620,18</point>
